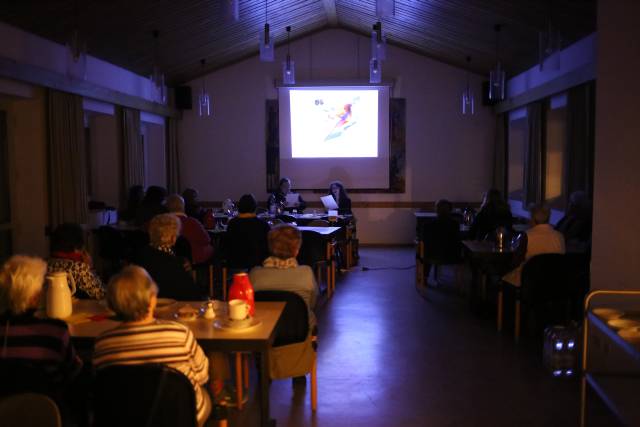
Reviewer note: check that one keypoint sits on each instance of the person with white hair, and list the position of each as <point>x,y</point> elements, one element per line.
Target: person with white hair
<point>132,295</point>
<point>41,343</point>
<point>168,270</point>
<point>192,230</point>
<point>541,238</point>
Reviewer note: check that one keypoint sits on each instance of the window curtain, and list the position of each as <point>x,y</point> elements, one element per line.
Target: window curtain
<point>580,139</point>
<point>67,169</point>
<point>132,150</point>
<point>533,154</point>
<point>500,155</point>
<point>173,156</point>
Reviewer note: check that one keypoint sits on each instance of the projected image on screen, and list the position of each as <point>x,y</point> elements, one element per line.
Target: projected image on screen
<point>334,123</point>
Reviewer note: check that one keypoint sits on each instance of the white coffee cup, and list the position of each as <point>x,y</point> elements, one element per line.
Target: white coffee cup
<point>238,309</point>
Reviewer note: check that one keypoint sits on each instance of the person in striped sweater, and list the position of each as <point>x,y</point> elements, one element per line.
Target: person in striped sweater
<point>36,344</point>
<point>141,338</point>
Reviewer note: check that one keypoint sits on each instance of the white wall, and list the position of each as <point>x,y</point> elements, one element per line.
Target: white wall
<point>615,262</point>
<point>448,154</point>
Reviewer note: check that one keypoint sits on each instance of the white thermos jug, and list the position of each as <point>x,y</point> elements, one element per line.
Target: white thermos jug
<point>59,304</point>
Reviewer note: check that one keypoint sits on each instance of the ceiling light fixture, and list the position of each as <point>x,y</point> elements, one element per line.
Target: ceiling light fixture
<point>266,42</point>
<point>468,102</point>
<point>288,66</point>
<point>76,51</point>
<point>378,42</point>
<point>549,43</point>
<point>204,101</point>
<point>497,75</point>
<point>157,77</point>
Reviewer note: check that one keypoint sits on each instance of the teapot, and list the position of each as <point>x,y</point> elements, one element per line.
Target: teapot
<point>59,295</point>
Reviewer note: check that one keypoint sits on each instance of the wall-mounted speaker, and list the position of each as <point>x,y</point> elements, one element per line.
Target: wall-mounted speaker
<point>183,98</point>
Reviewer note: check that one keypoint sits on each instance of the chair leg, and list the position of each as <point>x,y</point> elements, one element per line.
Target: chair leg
<point>239,379</point>
<point>516,327</point>
<point>224,283</point>
<point>500,308</point>
<point>211,281</point>
<point>314,384</point>
<point>245,370</point>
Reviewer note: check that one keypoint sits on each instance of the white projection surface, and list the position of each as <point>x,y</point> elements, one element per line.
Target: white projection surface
<point>335,132</point>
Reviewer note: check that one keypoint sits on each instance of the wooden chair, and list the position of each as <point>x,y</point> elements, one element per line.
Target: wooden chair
<point>294,351</point>
<point>29,409</point>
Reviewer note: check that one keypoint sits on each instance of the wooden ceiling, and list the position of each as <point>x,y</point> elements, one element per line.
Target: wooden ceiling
<point>120,31</point>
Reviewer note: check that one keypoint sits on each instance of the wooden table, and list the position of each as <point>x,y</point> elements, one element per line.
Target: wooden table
<point>258,339</point>
<point>328,234</point>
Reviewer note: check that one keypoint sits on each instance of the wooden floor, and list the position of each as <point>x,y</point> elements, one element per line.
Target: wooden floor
<point>388,357</point>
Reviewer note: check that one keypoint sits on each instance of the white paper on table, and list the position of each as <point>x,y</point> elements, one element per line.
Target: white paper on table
<point>329,202</point>
<point>292,199</point>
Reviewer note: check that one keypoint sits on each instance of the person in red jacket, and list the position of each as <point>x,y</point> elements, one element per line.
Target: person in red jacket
<point>192,230</point>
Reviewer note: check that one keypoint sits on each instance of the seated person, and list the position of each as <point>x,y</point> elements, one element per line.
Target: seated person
<point>279,197</point>
<point>441,238</point>
<point>246,237</point>
<point>336,189</point>
<point>35,341</point>
<point>69,255</point>
<point>576,224</point>
<point>281,272</point>
<point>132,295</point>
<point>170,272</point>
<point>192,205</point>
<point>134,201</point>
<point>152,205</point>
<point>494,213</point>
<point>541,238</point>
<point>192,230</point>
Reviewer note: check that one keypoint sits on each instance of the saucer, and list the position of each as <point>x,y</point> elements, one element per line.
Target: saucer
<point>236,325</point>
<point>630,334</point>
<point>608,313</point>
<point>623,323</point>
<point>191,318</point>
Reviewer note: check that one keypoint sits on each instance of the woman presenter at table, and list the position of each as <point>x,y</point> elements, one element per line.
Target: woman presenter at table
<point>279,197</point>
<point>336,189</point>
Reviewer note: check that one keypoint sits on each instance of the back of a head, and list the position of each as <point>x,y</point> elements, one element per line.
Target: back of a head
<point>21,280</point>
<point>163,230</point>
<point>190,196</point>
<point>155,195</point>
<point>539,214</point>
<point>67,237</point>
<point>175,203</point>
<point>284,241</point>
<point>247,204</point>
<point>129,293</point>
<point>443,208</point>
<point>136,194</point>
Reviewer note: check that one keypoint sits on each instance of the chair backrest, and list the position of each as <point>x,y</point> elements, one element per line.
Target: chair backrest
<point>143,395</point>
<point>19,376</point>
<point>441,239</point>
<point>29,409</point>
<point>312,249</point>
<point>293,325</point>
<point>545,278</point>
<point>319,223</point>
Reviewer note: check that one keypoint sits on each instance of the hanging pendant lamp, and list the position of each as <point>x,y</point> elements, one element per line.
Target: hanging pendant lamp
<point>266,42</point>
<point>204,101</point>
<point>497,75</point>
<point>157,77</point>
<point>289,66</point>
<point>468,101</point>
<point>378,42</point>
